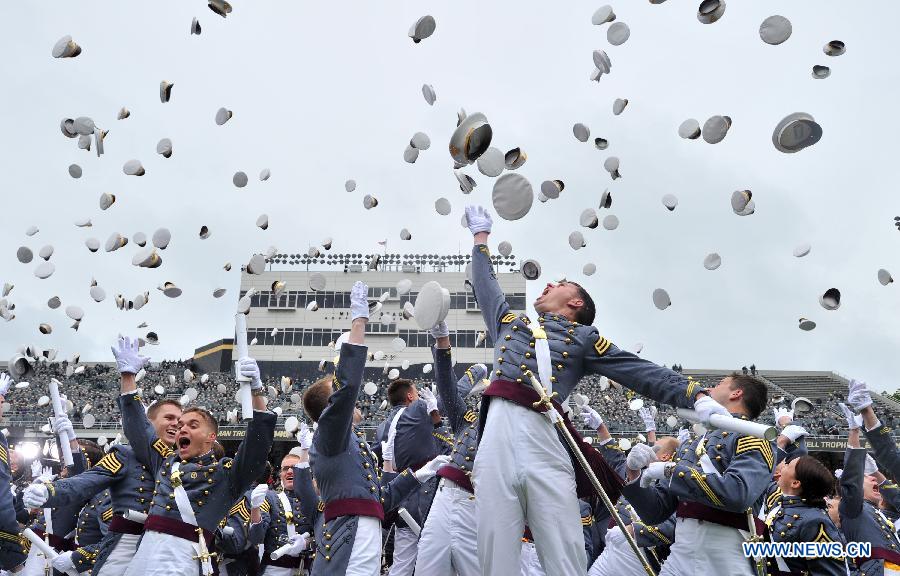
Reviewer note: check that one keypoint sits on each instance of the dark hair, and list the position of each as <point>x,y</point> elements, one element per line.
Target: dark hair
<point>218,450</point>
<point>155,407</point>
<point>755,396</point>
<point>91,450</point>
<point>586,314</point>
<point>816,481</point>
<point>206,416</point>
<point>397,391</point>
<point>315,399</point>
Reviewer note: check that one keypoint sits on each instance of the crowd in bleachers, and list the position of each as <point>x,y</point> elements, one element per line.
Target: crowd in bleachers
<point>93,389</point>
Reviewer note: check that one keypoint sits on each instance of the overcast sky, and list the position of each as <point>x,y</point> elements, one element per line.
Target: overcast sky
<point>326,91</point>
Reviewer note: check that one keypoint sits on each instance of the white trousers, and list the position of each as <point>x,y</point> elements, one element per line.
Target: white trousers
<point>530,563</point>
<point>523,471</point>
<point>448,544</point>
<point>120,556</point>
<point>275,571</point>
<point>617,558</point>
<point>365,557</point>
<point>164,555</point>
<point>406,546</point>
<point>703,548</point>
<point>35,564</point>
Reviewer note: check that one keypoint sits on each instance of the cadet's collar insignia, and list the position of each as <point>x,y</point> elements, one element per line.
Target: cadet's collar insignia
<point>470,416</point>
<point>508,318</point>
<point>162,448</point>
<point>822,535</point>
<point>228,464</point>
<point>110,463</point>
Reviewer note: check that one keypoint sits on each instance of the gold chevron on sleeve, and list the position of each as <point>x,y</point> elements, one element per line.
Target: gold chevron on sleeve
<point>587,520</point>
<point>162,448</point>
<point>602,345</point>
<point>240,509</point>
<point>749,443</point>
<point>701,481</point>
<point>4,456</point>
<point>107,515</point>
<point>822,535</point>
<point>773,498</point>
<point>470,416</point>
<point>110,463</point>
<point>265,506</point>
<point>507,318</point>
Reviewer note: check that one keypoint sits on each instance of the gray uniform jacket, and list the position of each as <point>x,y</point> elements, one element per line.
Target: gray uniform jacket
<point>861,521</point>
<point>348,476</point>
<point>415,445</point>
<point>272,531</point>
<point>213,486</point>
<point>885,449</point>
<point>93,522</point>
<point>743,464</point>
<point>798,522</point>
<point>240,555</point>
<point>13,547</point>
<point>575,349</point>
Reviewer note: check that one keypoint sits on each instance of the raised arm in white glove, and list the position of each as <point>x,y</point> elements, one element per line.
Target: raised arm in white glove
<point>35,495</point>
<point>655,471</point>
<point>640,456</point>
<point>854,421</point>
<point>258,496</point>
<point>706,407</point>
<point>478,220</point>
<point>871,465</point>
<point>128,357</point>
<point>299,544</point>
<point>858,396</point>
<point>63,563</point>
<point>430,401</point>
<point>440,330</point>
<point>35,469</point>
<point>427,472</point>
<point>793,432</point>
<point>305,436</point>
<point>5,383</point>
<point>62,427</point>
<point>250,369</point>
<point>359,302</point>
<point>684,435</point>
<point>646,415</point>
<point>591,417</point>
<point>783,416</point>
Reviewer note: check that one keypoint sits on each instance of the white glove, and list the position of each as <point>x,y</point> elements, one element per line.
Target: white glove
<point>128,358</point>
<point>478,220</point>
<point>299,543</point>
<point>649,421</point>
<point>591,417</point>
<point>430,401</point>
<point>62,427</point>
<point>63,563</point>
<point>838,473</point>
<point>684,435</point>
<point>858,396</point>
<point>705,407</point>
<point>35,469</point>
<point>258,496</point>
<point>35,495</point>
<point>302,465</point>
<point>5,383</point>
<point>440,330</point>
<point>871,465</point>
<point>640,456</point>
<point>46,474</point>
<point>854,421</point>
<point>793,432</point>
<point>248,368</point>
<point>305,436</point>
<point>781,413</point>
<point>427,472</point>
<point>359,303</point>
<point>655,471</point>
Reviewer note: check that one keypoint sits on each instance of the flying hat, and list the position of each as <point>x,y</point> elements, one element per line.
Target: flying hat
<point>581,132</point>
<point>429,94</point>
<point>317,282</point>
<point>65,47</point>
<point>617,33</point>
<point>46,252</point>
<point>204,232</point>
<point>263,221</point>
<point>689,129</point>
<point>831,299</point>
<point>661,299</point>
<point>84,223</point>
<point>512,196</point>
<point>161,238</point>
<point>164,147</point>
<point>422,28</point>
<point>514,158</point>
<point>715,129</point>
<point>165,91</point>
<point>821,72</point>
<point>54,302</point>
<point>92,244</point>
<point>24,254</point>
<point>75,171</point>
<point>410,154</point>
<point>796,132</point>
<point>350,185</point>
<point>265,174</point>
<point>257,264</point>
<point>492,162</point>
<point>611,165</point>
<point>504,248</point>
<point>834,48</point>
<point>603,15</point>
<point>219,292</point>
<point>405,235</point>
<point>775,29</point>
<point>420,141</point>
<point>431,306</point>
<point>606,199</point>
<point>133,168</point>
<point>589,269</point>
<point>239,179</point>
<point>147,258</point>
<point>466,182</point>
<point>98,293</point>
<point>802,250</point>
<point>741,200</point>
<point>123,113</point>
<point>670,201</point>
<point>602,62</point>
<point>531,269</point>
<point>552,188</point>
<point>403,286</point>
<point>220,7</point>
<point>398,345</point>
<point>442,206</point>
<point>223,115</point>
<point>170,289</point>
<point>611,222</point>
<point>807,325</point>
<point>106,200</point>
<point>45,328</point>
<point>710,11</point>
<point>712,261</point>
<point>369,202</point>
<point>195,27</point>
<point>576,240</point>
<point>470,139</point>
<point>588,218</point>
<point>884,277</point>
<point>619,105</point>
